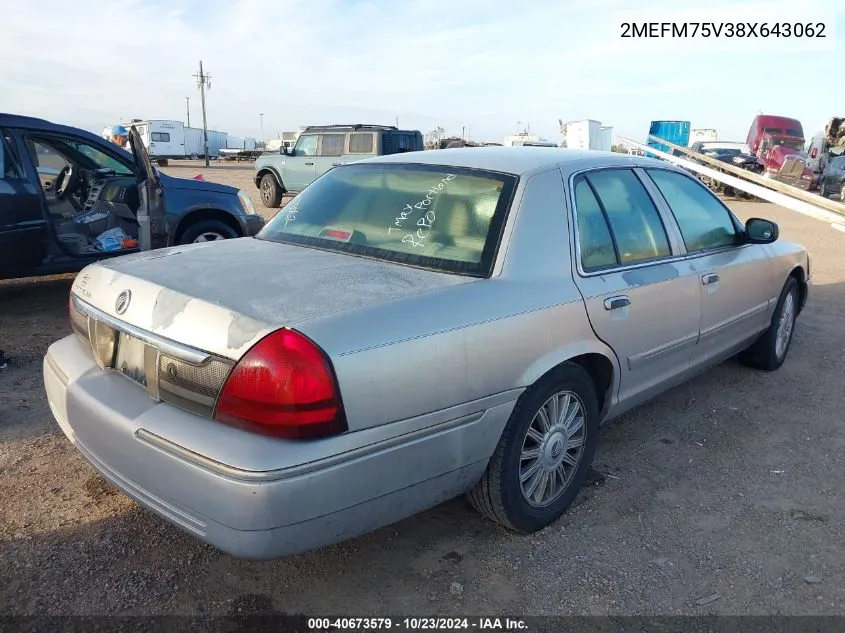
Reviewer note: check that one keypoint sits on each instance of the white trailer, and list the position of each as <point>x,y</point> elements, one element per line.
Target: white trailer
<point>163,139</point>
<point>585,134</point>
<point>703,135</point>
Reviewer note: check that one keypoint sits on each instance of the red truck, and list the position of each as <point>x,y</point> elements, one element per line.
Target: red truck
<point>778,143</point>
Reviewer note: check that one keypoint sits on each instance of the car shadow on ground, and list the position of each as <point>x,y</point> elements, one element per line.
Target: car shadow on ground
<point>735,466</point>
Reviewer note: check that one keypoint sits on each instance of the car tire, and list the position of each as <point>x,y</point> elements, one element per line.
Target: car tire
<point>271,192</point>
<point>207,231</point>
<point>823,192</point>
<point>842,193</point>
<point>769,351</point>
<point>501,495</point>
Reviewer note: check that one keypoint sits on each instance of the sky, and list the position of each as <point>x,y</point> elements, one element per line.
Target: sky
<point>470,66</point>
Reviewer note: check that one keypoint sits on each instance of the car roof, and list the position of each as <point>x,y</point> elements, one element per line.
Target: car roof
<point>33,123</point>
<point>518,160</point>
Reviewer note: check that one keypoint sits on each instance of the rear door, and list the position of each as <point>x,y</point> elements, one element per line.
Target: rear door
<point>153,231</point>
<point>330,152</point>
<point>734,279</point>
<point>23,225</point>
<point>641,297</point>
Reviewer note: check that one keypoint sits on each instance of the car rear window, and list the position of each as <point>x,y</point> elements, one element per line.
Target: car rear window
<point>444,218</point>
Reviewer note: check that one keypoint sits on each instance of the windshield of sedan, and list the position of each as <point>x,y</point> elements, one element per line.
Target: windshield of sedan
<point>445,218</point>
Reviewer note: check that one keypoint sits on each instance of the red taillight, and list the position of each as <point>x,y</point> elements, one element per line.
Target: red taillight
<point>284,386</point>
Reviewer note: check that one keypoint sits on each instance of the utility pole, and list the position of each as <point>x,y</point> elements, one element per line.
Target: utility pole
<point>463,132</point>
<point>188,105</point>
<point>262,126</point>
<point>203,82</point>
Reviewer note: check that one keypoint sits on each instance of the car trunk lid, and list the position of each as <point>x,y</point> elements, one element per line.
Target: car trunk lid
<point>223,297</point>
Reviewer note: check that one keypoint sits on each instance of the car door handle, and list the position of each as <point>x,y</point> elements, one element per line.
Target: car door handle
<point>710,278</point>
<point>614,303</point>
<point>309,163</point>
<point>336,164</point>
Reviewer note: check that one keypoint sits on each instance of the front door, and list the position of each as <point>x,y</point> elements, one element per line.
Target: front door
<point>23,225</point>
<point>301,169</point>
<point>735,281</point>
<point>153,230</point>
<point>642,300</point>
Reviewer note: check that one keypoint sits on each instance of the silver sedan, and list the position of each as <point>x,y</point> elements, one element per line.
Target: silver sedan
<point>408,329</point>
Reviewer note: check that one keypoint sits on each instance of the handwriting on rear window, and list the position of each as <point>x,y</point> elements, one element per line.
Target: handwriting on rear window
<point>291,210</point>
<point>417,238</point>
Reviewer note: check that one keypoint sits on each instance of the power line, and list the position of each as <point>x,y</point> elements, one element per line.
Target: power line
<point>203,82</point>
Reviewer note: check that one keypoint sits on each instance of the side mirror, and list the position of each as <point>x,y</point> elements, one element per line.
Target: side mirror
<point>759,231</point>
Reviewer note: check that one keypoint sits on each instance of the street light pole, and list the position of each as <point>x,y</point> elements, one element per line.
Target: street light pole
<point>262,126</point>
<point>188,105</point>
<point>203,82</point>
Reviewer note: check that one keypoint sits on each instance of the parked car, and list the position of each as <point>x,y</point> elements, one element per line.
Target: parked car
<point>737,154</point>
<point>69,197</point>
<point>321,147</point>
<point>435,323</point>
<point>833,179</point>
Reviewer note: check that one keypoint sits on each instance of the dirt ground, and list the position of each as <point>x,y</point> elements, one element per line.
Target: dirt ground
<point>723,496</point>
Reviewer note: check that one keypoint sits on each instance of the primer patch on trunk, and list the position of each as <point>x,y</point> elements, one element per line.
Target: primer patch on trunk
<point>168,305</point>
<point>242,330</point>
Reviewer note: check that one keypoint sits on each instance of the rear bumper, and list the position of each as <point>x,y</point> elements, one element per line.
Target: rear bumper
<point>255,514</point>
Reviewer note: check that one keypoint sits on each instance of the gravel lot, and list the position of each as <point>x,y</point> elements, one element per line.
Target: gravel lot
<point>723,496</point>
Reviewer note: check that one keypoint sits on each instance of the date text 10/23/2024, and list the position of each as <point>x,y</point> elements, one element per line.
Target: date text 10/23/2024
<point>316,625</point>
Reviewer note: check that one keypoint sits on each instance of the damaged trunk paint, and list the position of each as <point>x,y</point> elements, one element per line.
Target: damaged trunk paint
<point>259,287</point>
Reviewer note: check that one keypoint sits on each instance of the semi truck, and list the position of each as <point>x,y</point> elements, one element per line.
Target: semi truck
<point>778,142</point>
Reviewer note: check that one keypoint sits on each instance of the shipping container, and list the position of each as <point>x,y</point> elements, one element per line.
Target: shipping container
<point>676,132</point>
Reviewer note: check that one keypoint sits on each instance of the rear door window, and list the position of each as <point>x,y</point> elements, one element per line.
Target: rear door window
<point>637,230</point>
<point>331,144</point>
<point>361,143</point>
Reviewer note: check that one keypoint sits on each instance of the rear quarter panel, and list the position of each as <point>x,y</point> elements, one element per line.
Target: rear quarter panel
<point>487,339</point>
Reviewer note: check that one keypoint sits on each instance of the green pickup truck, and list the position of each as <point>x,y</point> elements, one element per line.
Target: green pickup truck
<point>321,147</point>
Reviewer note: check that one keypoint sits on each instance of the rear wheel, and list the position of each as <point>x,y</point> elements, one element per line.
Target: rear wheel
<point>770,350</point>
<point>271,192</point>
<point>545,451</point>
<point>207,231</point>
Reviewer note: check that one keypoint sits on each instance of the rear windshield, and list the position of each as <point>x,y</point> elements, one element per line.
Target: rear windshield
<point>444,218</point>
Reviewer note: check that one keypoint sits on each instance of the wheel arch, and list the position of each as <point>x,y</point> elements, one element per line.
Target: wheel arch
<point>198,215</point>
<point>596,359</point>
<point>269,170</point>
<point>800,275</point>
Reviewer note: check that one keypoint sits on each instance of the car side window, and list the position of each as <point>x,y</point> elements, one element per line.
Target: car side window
<point>307,145</point>
<point>361,143</point>
<point>594,238</point>
<point>636,227</point>
<point>332,144</point>
<point>11,167</point>
<point>704,222</point>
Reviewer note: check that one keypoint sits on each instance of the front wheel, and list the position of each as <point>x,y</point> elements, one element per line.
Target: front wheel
<point>770,350</point>
<point>207,231</point>
<point>271,192</point>
<point>842,193</point>
<point>545,451</point>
